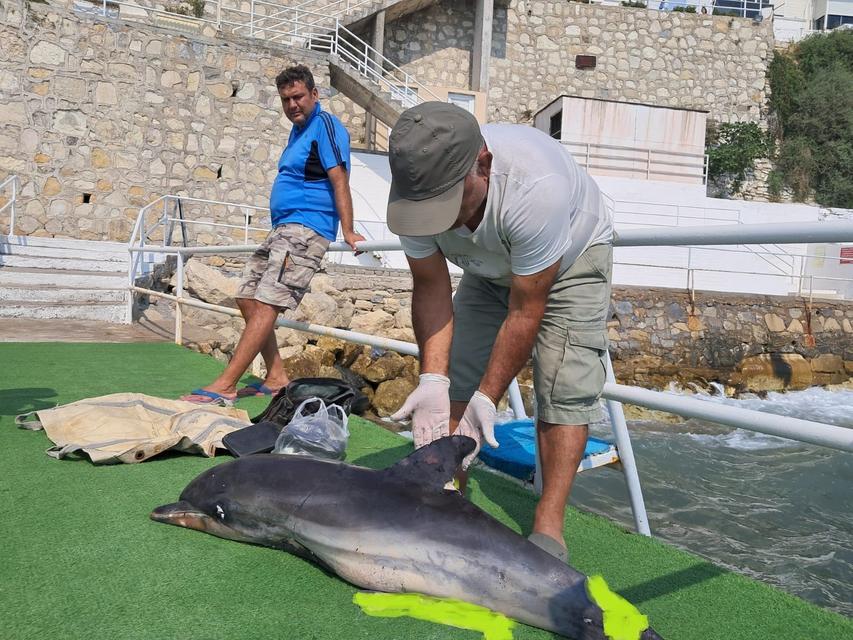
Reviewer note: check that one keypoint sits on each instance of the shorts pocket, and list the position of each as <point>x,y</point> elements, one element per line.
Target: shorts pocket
<point>296,271</point>
<point>580,377</point>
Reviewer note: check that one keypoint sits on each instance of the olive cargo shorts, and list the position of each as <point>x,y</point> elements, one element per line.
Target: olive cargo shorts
<point>569,352</point>
<point>280,270</point>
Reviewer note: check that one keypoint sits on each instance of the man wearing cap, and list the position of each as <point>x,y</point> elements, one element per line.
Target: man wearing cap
<point>529,228</point>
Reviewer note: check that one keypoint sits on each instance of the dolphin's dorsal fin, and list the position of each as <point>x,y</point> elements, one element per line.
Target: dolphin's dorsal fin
<point>433,466</point>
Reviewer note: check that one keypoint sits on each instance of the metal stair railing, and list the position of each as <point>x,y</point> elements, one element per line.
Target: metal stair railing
<point>326,13</point>
<point>15,183</point>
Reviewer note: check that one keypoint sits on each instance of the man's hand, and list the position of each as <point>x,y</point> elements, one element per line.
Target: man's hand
<point>429,406</point>
<point>478,422</point>
<point>351,237</point>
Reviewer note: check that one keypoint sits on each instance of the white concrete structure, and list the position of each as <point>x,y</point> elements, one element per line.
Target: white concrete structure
<point>761,269</point>
<point>629,140</point>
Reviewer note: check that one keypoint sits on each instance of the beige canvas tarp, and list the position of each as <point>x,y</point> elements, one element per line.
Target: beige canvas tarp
<point>132,427</point>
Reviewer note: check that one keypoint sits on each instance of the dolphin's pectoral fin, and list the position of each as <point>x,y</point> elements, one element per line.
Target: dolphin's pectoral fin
<point>184,514</point>
<point>434,465</point>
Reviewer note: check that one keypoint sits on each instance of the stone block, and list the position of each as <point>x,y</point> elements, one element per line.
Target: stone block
<point>100,159</point>
<point>51,187</point>
<point>105,93</point>
<point>774,322</point>
<point>67,88</point>
<point>827,363</point>
<point>391,394</point>
<point>47,53</point>
<point>774,372</point>
<point>14,112</point>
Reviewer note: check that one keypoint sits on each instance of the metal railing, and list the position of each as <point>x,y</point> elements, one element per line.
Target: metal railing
<point>615,394</point>
<point>735,8</point>
<point>14,184</point>
<point>776,257</point>
<point>639,162</point>
<point>322,31</point>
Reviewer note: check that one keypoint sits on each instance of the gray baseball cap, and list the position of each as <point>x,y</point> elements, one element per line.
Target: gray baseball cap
<point>431,149</point>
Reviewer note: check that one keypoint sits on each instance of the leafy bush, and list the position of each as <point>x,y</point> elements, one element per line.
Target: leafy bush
<point>796,162</point>
<point>634,3</point>
<point>685,9</point>
<point>734,147</point>
<point>812,99</point>
<point>821,51</point>
<point>786,82</point>
<point>775,183</point>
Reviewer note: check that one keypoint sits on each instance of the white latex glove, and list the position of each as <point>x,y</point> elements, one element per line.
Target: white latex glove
<point>478,422</point>
<point>429,407</point>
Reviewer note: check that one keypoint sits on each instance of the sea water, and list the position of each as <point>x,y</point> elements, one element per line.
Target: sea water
<point>770,508</point>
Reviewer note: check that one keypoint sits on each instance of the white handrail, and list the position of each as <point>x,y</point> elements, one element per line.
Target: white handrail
<point>13,201</point>
<point>817,433</point>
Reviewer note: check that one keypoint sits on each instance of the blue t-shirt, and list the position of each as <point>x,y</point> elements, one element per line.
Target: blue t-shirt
<point>302,191</point>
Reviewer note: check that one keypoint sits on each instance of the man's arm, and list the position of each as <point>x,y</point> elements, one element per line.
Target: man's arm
<point>432,311</point>
<point>528,296</point>
<point>339,177</point>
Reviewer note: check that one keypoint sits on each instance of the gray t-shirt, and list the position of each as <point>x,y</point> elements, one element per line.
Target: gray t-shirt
<point>541,208</point>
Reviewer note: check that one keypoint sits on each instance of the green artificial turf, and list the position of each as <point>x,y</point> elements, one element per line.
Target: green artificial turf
<point>81,559</point>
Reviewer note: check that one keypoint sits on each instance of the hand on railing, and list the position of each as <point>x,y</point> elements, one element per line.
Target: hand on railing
<point>351,238</point>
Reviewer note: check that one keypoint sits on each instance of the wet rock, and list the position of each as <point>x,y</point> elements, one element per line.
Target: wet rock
<point>391,394</point>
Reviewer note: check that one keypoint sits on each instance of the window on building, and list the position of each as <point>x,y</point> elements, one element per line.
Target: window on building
<point>555,126</point>
<point>833,21</point>
<point>464,100</point>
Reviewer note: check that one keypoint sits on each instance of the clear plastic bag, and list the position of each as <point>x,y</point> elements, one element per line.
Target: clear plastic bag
<point>315,430</point>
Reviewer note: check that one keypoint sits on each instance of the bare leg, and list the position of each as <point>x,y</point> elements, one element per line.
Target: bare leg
<point>260,320</point>
<point>560,450</point>
<point>276,377</point>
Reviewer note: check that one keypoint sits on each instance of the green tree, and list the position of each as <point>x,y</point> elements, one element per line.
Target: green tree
<point>824,50</point>
<point>812,99</point>
<point>786,82</point>
<point>824,117</point>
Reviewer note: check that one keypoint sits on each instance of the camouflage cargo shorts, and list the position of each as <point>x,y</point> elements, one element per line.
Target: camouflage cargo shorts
<point>280,270</point>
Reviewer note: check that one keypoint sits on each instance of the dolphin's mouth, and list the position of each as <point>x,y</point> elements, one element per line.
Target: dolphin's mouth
<point>184,514</point>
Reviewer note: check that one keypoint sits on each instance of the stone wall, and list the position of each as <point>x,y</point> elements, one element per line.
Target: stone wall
<point>749,343</point>
<point>669,59</point>
<point>99,117</point>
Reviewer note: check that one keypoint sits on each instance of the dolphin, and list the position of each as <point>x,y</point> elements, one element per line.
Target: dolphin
<point>394,530</point>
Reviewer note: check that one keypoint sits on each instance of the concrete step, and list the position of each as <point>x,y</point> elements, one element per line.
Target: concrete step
<point>107,312</point>
<point>25,277</point>
<point>67,243</point>
<point>50,295</point>
<point>118,258</point>
<point>59,264</point>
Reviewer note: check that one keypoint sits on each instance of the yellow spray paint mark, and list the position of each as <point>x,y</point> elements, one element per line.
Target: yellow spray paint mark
<point>622,620</point>
<point>454,613</point>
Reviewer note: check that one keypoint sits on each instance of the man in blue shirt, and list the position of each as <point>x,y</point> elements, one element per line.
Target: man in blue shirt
<point>309,196</point>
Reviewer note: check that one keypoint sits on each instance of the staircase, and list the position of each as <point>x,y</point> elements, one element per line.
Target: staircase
<point>49,278</point>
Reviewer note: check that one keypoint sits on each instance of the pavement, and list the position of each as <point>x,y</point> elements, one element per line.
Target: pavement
<point>29,330</point>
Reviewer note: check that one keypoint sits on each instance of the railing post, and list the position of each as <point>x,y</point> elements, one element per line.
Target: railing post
<point>586,166</point>
<point>252,19</point>
<point>246,216</point>
<point>13,213</point>
<point>516,402</point>
<point>626,456</point>
<point>179,324</point>
<point>219,14</point>
<point>104,8</point>
<point>648,164</point>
